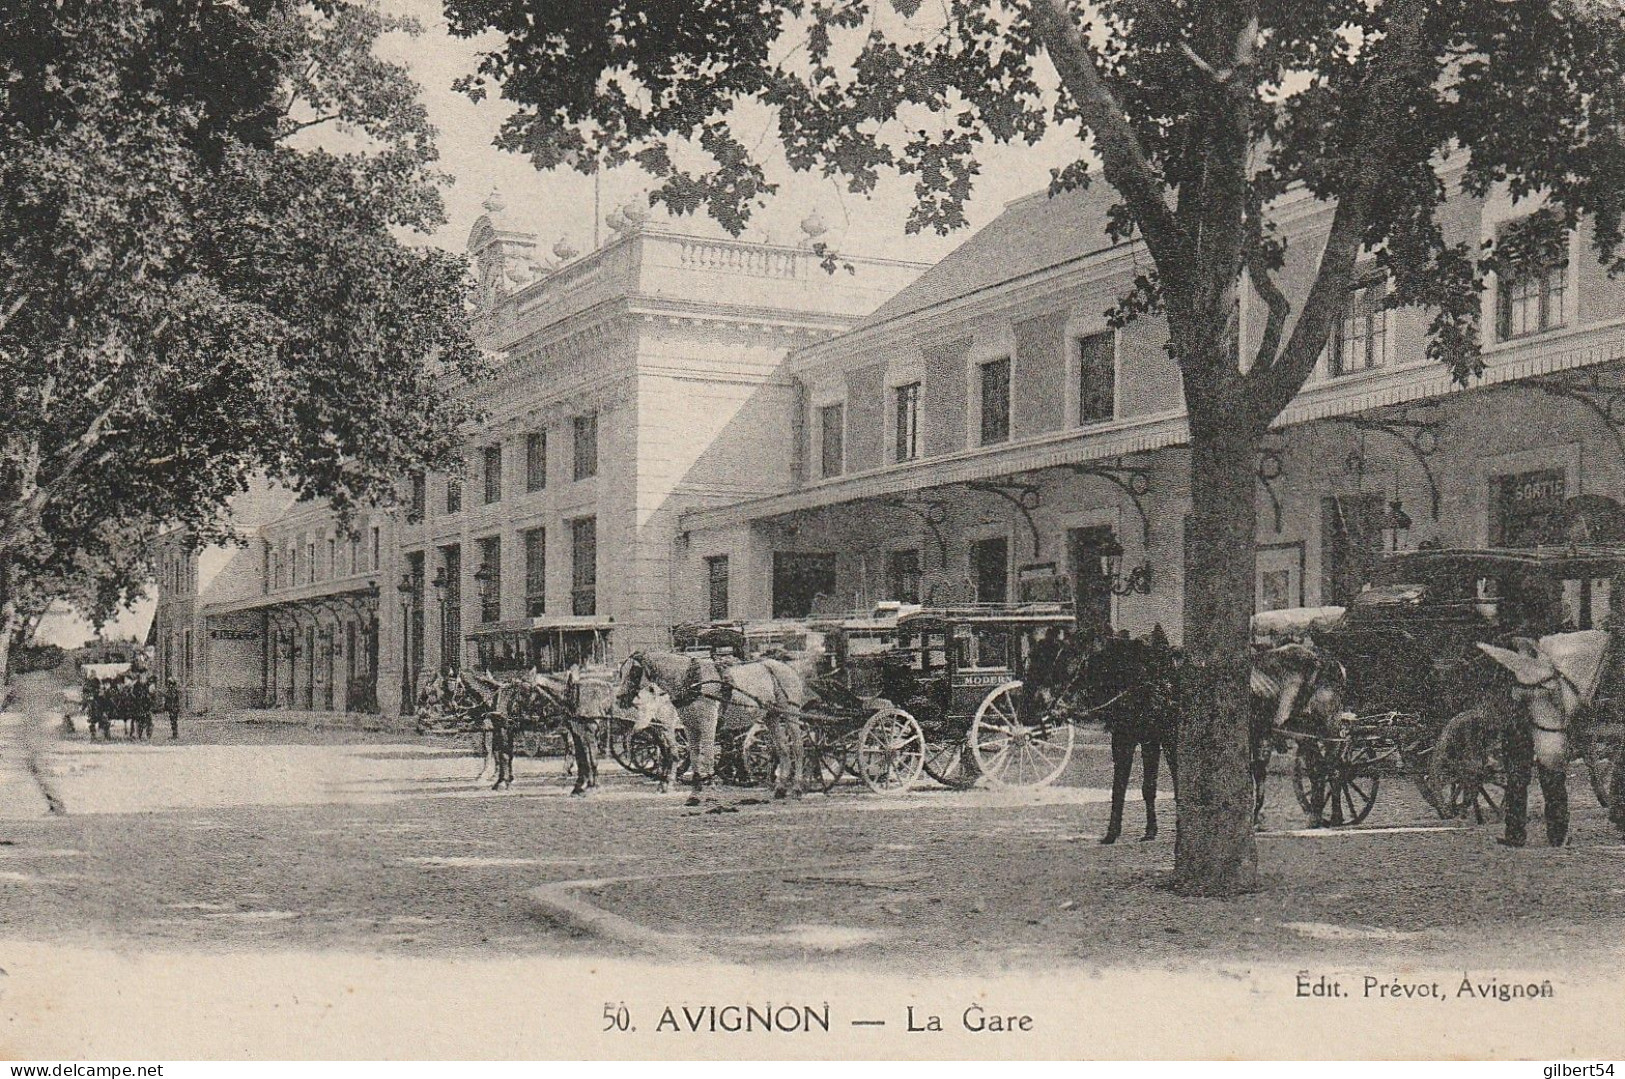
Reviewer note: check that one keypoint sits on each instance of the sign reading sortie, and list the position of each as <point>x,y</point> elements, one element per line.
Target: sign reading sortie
<point>234,634</point>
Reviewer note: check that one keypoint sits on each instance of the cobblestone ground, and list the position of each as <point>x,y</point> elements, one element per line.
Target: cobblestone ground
<point>271,891</point>
<point>241,836</point>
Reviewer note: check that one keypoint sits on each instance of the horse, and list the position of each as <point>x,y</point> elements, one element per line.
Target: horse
<point>707,693</point>
<point>544,701</point>
<point>1295,688</point>
<point>1131,683</point>
<point>1557,678</point>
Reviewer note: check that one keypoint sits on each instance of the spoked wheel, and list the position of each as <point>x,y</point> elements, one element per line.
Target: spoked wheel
<point>643,752</point>
<point>619,736</point>
<point>890,753</point>
<point>530,743</point>
<point>826,756</point>
<point>1466,770</point>
<point>1010,750</point>
<point>949,762</point>
<point>757,751</point>
<point>1343,781</point>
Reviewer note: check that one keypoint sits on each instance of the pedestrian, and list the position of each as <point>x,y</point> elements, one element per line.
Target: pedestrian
<point>172,705</point>
<point>95,705</point>
<point>141,704</point>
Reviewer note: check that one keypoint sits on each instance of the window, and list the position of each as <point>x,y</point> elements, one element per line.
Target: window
<point>377,548</point>
<point>716,581</point>
<point>1360,338</point>
<point>584,566</point>
<point>908,422</point>
<point>1532,288</point>
<point>995,402</point>
<point>310,563</point>
<point>536,461</point>
<point>420,487</point>
<point>355,553</point>
<point>990,569</point>
<point>454,494</point>
<point>536,572</point>
<point>489,576</point>
<point>903,576</point>
<point>586,446</point>
<point>832,439</point>
<point>332,557</point>
<point>271,569</point>
<point>451,610</point>
<point>493,473</point>
<point>1097,378</point>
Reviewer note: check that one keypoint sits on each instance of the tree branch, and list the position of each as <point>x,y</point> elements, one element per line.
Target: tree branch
<point>1122,157</point>
<point>1396,73</point>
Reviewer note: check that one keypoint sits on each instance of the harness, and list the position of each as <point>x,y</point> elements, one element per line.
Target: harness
<point>1561,679</point>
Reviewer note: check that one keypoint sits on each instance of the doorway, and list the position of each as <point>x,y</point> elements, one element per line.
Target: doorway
<point>1092,592</point>
<point>799,577</point>
<point>1350,545</point>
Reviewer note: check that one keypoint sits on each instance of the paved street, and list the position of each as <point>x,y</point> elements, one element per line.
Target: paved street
<point>269,841</point>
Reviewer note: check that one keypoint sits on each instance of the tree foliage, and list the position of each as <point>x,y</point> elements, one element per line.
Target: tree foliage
<point>201,275</point>
<point>1205,117</point>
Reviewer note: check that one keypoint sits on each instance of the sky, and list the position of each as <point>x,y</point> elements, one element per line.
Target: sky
<point>559,205</point>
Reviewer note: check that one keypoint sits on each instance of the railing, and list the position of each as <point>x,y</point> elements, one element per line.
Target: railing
<point>747,259</point>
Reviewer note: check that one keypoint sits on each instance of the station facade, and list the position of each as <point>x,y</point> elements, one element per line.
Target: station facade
<point>684,429</point>
<point>986,435</point>
<point>630,385</point>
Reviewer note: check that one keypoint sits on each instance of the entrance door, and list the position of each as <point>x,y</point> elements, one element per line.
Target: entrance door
<point>990,569</point>
<point>1092,592</point>
<point>1350,545</point>
<point>799,577</point>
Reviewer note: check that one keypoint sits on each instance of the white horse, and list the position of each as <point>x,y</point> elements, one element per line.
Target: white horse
<point>707,694</point>
<point>652,710</point>
<point>1557,677</point>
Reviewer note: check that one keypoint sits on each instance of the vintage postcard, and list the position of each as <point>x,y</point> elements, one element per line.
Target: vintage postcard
<point>910,529</point>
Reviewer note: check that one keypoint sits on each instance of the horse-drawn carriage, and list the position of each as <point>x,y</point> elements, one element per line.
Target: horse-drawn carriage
<point>978,680</point>
<point>848,727</point>
<point>1424,701</point>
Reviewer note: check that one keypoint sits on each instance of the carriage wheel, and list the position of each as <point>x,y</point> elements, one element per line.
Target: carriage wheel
<point>756,750</point>
<point>643,752</point>
<point>618,734</point>
<point>890,753</point>
<point>827,756</point>
<point>531,743</point>
<point>1011,752</point>
<point>1346,779</point>
<point>950,763</point>
<point>1466,769</point>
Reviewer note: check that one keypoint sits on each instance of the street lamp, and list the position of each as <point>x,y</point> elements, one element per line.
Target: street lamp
<point>406,589</point>
<point>1395,521</point>
<point>442,585</point>
<point>1111,567</point>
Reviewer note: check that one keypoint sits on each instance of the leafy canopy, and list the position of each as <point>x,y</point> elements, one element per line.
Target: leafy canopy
<point>1200,113</point>
<point>201,275</point>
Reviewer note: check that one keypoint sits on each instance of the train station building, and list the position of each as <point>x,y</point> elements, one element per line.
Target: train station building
<point>684,429</point>
<point>631,384</point>
<point>986,435</point>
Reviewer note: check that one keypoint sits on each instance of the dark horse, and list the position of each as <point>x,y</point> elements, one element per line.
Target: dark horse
<point>1131,685</point>
<point>577,702</point>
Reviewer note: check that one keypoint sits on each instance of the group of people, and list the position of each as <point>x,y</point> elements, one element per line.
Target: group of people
<point>130,698</point>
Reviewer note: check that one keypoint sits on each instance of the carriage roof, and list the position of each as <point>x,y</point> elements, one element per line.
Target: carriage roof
<point>1596,560</point>
<point>1000,614</point>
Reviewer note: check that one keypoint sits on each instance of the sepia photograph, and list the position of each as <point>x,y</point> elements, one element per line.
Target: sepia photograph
<point>695,530</point>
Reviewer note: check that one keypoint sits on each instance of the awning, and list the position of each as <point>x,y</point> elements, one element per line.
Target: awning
<point>358,599</point>
<point>1323,400</point>
<point>511,627</point>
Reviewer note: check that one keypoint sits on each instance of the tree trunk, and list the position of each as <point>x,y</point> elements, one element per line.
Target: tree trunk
<point>1214,851</point>
<point>9,622</point>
